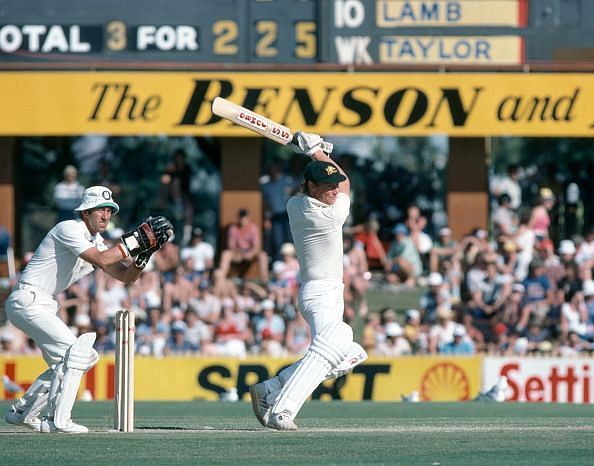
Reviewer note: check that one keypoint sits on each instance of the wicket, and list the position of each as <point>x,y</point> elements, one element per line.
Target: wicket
<point>124,371</point>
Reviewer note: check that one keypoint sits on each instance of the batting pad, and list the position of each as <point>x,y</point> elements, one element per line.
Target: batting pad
<point>355,356</point>
<point>327,350</point>
<point>78,359</point>
<point>35,398</point>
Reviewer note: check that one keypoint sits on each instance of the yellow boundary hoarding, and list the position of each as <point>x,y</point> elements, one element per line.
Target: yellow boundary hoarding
<point>178,103</point>
<point>192,378</point>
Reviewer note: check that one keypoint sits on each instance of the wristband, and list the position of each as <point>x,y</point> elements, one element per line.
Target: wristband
<point>125,253</point>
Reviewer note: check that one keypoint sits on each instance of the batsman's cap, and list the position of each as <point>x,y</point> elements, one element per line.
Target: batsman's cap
<point>319,171</point>
<point>97,196</point>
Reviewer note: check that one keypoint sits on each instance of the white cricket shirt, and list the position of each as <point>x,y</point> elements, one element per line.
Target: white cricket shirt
<point>317,234</point>
<point>55,265</point>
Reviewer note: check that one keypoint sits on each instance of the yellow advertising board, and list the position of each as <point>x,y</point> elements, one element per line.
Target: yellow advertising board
<point>178,103</point>
<point>192,378</point>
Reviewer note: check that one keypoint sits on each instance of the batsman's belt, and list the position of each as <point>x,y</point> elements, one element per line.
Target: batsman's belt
<point>33,288</point>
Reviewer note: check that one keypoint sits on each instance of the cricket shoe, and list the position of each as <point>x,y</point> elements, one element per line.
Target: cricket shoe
<point>16,418</point>
<point>48,427</point>
<point>261,407</point>
<point>281,421</point>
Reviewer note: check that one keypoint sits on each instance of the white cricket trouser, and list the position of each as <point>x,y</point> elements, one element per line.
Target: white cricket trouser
<point>320,302</point>
<point>34,311</point>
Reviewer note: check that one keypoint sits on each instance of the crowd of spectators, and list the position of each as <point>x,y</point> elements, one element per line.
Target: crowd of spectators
<point>509,290</point>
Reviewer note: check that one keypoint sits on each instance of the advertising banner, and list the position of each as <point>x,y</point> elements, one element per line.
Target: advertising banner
<point>193,378</point>
<point>397,104</point>
<point>562,380</point>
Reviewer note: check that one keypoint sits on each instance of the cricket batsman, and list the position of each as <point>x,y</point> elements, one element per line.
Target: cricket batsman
<point>316,217</point>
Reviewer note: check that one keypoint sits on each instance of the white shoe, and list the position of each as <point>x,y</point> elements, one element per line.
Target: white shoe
<point>261,407</point>
<point>20,419</point>
<point>48,427</point>
<point>281,421</point>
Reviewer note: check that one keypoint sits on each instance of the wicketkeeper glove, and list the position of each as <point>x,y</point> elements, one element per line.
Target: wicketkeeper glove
<point>309,144</point>
<point>149,236</point>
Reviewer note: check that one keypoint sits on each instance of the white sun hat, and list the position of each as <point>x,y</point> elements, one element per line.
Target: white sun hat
<point>97,196</point>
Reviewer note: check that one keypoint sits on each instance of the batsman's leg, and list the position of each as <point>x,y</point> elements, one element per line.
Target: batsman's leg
<point>328,349</point>
<point>26,411</point>
<point>66,378</point>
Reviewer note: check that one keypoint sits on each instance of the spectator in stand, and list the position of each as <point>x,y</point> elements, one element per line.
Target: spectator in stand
<point>442,331</point>
<point>367,235</point>
<point>276,191</point>
<point>585,255</point>
<point>373,332</point>
<point>509,185</point>
<point>232,332</point>
<point>503,219</point>
<point>175,188</point>
<point>207,305</point>
<point>201,252</point>
<point>356,275</point>
<point>540,218</point>
<point>244,246</point>
<point>395,343</point>
<point>554,270</point>
<point>298,335</point>
<point>152,334</point>
<point>443,250</point>
<point>403,260</point>
<point>110,296</point>
<point>199,333</point>
<point>573,345</point>
<point>167,260</point>
<point>415,331</point>
<point>507,257</point>
<point>269,321</point>
<point>104,341</point>
<point>588,292</point>
<point>68,194</point>
<point>511,310</point>
<point>416,223</point>
<point>437,295</point>
<point>177,343</point>
<point>178,293</point>
<point>488,299</point>
<point>525,239</point>
<point>574,315</point>
<point>538,296</point>
<point>460,345</point>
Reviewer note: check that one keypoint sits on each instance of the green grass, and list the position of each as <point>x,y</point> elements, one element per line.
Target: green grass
<point>330,433</point>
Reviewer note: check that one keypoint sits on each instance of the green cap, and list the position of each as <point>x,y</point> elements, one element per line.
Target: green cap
<point>322,172</point>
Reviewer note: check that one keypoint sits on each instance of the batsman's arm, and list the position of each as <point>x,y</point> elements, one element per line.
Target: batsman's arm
<point>345,186</point>
<point>113,263</point>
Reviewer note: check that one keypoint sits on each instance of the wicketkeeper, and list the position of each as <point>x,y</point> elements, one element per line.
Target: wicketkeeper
<point>316,216</point>
<point>71,250</point>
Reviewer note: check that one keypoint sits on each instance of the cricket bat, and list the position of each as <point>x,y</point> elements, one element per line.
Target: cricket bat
<point>251,120</point>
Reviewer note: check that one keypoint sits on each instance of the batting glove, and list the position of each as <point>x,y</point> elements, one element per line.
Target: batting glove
<point>309,144</point>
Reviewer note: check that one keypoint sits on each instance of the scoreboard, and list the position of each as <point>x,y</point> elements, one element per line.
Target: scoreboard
<point>261,31</point>
<point>295,32</point>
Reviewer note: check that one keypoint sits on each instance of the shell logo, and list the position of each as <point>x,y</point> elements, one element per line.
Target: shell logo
<point>445,382</point>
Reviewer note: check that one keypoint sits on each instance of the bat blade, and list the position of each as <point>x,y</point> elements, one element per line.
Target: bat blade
<point>251,120</point>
